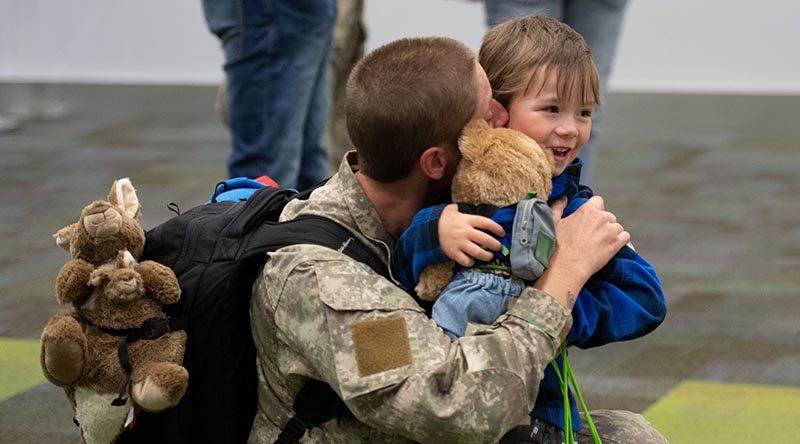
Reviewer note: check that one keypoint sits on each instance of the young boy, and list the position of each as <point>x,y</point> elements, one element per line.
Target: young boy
<point>543,73</point>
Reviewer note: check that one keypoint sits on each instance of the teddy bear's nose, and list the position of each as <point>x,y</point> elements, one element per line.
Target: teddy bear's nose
<point>102,221</point>
<point>98,209</point>
<point>127,290</point>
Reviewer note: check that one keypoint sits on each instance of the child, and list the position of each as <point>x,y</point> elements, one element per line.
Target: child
<point>543,73</point>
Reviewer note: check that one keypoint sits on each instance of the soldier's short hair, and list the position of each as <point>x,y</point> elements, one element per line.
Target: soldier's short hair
<point>405,97</point>
<point>521,53</point>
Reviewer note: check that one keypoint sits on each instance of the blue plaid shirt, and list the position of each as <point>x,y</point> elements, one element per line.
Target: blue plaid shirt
<point>622,301</point>
<point>419,247</point>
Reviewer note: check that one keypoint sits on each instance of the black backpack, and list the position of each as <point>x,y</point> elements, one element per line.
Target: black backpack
<point>216,251</point>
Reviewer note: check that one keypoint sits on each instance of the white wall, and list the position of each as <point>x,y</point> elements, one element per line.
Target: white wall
<point>677,45</point>
<point>140,41</point>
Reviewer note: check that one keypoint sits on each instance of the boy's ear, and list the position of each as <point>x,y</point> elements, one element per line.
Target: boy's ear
<point>499,115</point>
<point>434,160</point>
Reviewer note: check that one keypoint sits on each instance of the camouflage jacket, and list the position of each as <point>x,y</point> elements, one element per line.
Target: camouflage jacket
<point>316,313</point>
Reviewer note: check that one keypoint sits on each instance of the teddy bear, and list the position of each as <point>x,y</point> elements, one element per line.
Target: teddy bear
<point>115,352</point>
<point>499,167</point>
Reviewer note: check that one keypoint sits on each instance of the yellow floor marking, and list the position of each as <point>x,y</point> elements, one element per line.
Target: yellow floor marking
<point>712,412</point>
<point>19,366</point>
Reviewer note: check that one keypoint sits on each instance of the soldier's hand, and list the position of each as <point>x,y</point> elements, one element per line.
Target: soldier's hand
<point>588,238</point>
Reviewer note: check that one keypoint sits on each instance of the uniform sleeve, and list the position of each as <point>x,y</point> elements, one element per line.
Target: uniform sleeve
<point>418,247</point>
<point>624,300</point>
<point>397,371</point>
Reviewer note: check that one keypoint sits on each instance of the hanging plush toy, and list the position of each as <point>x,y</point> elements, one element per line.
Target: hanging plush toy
<point>115,353</point>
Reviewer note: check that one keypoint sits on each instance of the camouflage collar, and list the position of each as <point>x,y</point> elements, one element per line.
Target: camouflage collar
<point>363,212</point>
<point>343,200</point>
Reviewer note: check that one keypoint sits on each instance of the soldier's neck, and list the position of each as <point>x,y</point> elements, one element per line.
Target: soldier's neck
<point>395,202</point>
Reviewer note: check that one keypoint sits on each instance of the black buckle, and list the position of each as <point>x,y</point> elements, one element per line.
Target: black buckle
<point>154,328</point>
<point>294,429</point>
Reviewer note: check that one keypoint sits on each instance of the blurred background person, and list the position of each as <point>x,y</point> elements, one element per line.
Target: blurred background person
<point>349,35</point>
<point>276,66</point>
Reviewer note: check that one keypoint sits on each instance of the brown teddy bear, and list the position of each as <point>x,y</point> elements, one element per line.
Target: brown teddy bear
<point>115,353</point>
<point>499,166</point>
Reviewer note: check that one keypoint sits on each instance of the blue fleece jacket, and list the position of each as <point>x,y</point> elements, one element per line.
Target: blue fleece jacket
<point>622,301</point>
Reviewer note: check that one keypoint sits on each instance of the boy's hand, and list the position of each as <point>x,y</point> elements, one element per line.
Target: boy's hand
<point>461,236</point>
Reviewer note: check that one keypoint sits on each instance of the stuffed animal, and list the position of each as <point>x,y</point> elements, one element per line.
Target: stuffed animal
<point>115,353</point>
<point>499,166</point>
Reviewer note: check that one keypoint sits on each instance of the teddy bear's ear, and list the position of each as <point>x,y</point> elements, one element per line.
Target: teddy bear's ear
<point>99,277</point>
<point>64,235</point>
<point>123,196</point>
<point>473,139</point>
<point>125,259</point>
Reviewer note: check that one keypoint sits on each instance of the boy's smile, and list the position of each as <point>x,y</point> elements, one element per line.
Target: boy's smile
<point>560,124</point>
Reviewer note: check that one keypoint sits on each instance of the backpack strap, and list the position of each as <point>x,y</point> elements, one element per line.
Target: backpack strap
<point>316,402</point>
<point>485,210</point>
<point>320,230</point>
<point>152,328</point>
<point>265,204</point>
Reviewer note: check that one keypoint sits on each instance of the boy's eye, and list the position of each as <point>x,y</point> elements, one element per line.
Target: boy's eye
<point>551,109</point>
<point>586,113</point>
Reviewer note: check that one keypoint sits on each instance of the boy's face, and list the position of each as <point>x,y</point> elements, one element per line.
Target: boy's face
<point>560,124</point>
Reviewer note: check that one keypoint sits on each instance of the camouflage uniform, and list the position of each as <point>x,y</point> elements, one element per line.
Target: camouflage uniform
<point>620,427</point>
<point>613,427</point>
<point>318,314</point>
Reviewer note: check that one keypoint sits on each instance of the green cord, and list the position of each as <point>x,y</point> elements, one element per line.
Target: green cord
<point>595,435</point>
<point>564,381</point>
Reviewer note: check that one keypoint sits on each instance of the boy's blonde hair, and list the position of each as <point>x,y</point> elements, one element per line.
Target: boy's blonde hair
<point>518,53</point>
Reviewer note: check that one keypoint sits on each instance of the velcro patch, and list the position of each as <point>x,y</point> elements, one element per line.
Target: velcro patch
<point>381,345</point>
<point>545,245</point>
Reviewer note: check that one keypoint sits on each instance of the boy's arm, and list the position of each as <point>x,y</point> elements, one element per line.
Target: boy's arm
<point>440,233</point>
<point>418,247</point>
<point>622,301</point>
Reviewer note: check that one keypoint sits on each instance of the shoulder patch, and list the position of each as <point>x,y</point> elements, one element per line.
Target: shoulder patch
<point>381,345</point>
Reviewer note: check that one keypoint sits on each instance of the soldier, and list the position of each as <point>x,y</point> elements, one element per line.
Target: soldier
<point>318,315</point>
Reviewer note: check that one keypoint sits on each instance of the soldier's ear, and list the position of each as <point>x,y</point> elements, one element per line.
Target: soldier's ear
<point>434,161</point>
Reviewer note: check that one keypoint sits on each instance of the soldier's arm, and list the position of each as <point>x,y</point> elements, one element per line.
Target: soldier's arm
<point>395,368</point>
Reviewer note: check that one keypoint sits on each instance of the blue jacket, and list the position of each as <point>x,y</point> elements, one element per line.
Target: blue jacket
<point>622,301</point>
<point>418,246</point>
